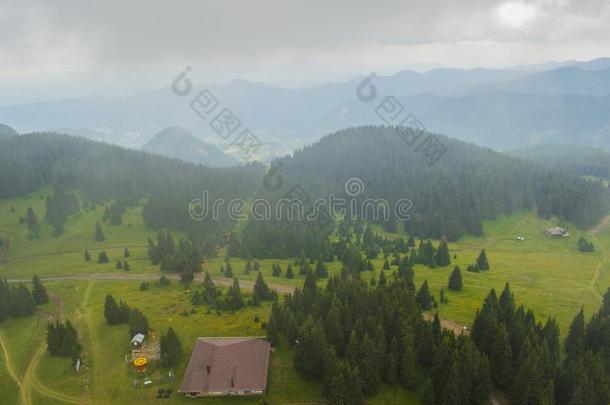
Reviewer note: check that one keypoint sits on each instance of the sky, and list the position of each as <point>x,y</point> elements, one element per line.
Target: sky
<point>58,49</point>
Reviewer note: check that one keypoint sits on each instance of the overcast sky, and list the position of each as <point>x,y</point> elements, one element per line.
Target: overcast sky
<point>55,49</point>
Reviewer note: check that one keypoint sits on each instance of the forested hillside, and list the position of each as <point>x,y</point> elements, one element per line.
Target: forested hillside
<point>181,144</point>
<point>6,131</point>
<point>451,198</point>
<point>573,159</point>
<point>104,172</point>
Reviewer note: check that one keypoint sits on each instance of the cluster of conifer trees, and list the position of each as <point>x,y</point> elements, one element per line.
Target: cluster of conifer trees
<point>62,339</point>
<point>119,313</point>
<point>184,258</point>
<point>353,336</point>
<point>525,356</point>
<point>59,206</point>
<point>233,300</point>
<point>16,300</point>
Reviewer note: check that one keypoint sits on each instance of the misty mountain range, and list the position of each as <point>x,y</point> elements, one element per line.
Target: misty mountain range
<point>559,102</point>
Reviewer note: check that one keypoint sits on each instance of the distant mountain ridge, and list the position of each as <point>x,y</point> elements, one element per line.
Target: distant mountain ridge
<point>6,131</point>
<point>179,143</point>
<point>562,102</point>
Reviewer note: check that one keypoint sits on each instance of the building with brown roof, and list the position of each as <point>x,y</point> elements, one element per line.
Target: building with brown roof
<point>227,366</point>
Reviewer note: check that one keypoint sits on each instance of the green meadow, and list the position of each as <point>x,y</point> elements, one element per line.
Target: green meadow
<point>548,275</point>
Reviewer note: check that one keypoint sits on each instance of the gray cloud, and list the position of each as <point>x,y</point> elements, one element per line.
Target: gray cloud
<point>252,37</point>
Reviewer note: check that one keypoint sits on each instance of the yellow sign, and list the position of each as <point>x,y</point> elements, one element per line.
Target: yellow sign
<point>140,362</point>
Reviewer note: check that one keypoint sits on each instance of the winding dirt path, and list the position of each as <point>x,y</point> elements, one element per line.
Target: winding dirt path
<point>23,394</point>
<point>601,226</point>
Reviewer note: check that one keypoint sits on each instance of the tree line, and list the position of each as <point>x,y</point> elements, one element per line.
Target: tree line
<point>526,358</point>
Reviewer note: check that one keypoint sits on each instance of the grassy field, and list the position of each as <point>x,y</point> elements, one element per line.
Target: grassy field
<point>548,275</point>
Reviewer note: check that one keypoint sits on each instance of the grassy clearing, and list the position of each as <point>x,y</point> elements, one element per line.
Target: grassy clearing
<point>548,275</point>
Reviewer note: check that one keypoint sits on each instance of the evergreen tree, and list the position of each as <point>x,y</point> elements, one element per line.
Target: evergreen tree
<point>386,265</point>
<point>408,362</point>
<point>576,337</point>
<point>428,393</point>
<point>277,271</point>
<point>171,349</point>
<point>32,221</point>
<point>114,313</point>
<point>99,233</point>
<point>119,265</point>
<point>482,263</point>
<point>455,280</point>
<point>39,293</point>
<point>234,298</point>
<point>126,266</point>
<point>321,271</point>
<point>391,366</point>
<point>424,297</point>
<point>22,303</point>
<point>126,253</point>
<point>289,273</point>
<point>442,257</point>
<point>103,257</point>
<point>261,289</point>
<point>369,367</point>
<point>229,270</point>
<point>312,350</point>
<point>210,293</point>
<point>87,256</point>
<point>138,323</point>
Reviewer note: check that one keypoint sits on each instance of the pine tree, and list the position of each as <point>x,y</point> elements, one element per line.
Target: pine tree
<point>119,265</point>
<point>312,351</point>
<point>126,253</point>
<point>289,273</point>
<point>171,349</point>
<point>164,281</point>
<point>424,297</point>
<point>261,288</point>
<point>502,360</point>
<point>369,367</point>
<point>428,393</point>
<point>138,323</point>
<point>39,293</point>
<point>22,302</point>
<point>386,265</point>
<point>248,267</point>
<point>274,324</point>
<point>277,271</point>
<point>32,221</point>
<point>114,313</point>
<point>321,271</point>
<point>99,234</point>
<point>229,270</point>
<point>455,280</point>
<point>442,255</point>
<point>574,344</point>
<point>87,256</point>
<point>126,266</point>
<point>391,366</point>
<point>408,362</point>
<point>482,263</point>
<point>234,298</point>
<point>210,293</point>
<point>103,257</point>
